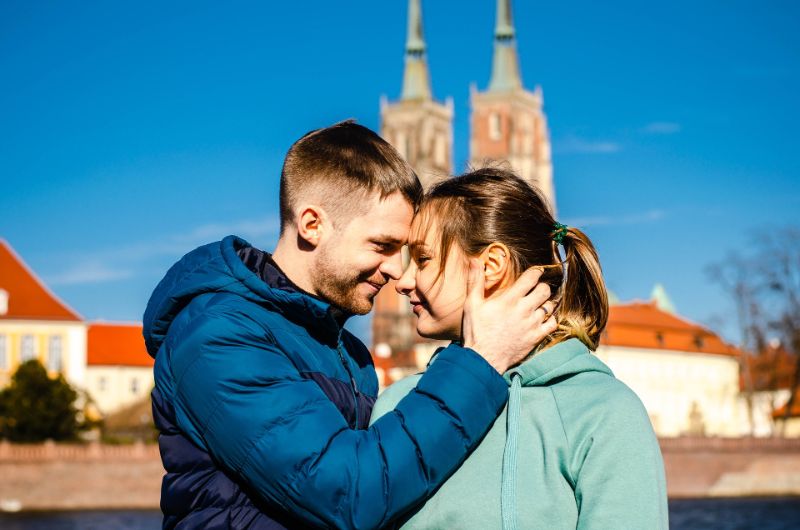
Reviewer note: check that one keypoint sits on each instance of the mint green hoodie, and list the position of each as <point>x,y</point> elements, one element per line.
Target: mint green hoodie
<point>574,448</point>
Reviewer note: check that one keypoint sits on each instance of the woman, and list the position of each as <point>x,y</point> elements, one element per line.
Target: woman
<point>574,447</point>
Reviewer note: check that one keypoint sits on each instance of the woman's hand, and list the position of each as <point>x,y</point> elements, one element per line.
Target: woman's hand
<point>505,327</point>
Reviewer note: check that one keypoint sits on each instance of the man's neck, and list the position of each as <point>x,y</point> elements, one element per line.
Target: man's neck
<point>293,263</point>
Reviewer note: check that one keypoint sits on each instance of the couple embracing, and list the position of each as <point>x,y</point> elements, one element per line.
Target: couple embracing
<point>266,405</point>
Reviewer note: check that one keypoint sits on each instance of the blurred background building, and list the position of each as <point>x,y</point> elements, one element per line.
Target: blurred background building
<point>107,360</point>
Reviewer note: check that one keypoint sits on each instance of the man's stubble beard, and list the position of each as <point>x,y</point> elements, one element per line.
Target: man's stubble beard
<point>338,286</point>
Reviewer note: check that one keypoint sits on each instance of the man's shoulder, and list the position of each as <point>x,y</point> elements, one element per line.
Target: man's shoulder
<point>217,314</point>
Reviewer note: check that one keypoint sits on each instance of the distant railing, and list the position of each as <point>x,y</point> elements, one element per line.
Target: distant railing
<point>90,451</point>
<point>698,444</point>
<point>49,451</point>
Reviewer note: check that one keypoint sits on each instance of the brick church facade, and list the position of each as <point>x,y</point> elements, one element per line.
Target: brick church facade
<point>507,125</point>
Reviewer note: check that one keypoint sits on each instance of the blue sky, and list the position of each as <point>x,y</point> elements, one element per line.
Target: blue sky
<point>129,134</point>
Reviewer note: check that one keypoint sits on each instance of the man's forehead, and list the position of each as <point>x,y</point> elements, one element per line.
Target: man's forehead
<point>390,215</point>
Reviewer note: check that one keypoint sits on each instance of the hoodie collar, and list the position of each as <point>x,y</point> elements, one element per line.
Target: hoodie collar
<point>566,358</point>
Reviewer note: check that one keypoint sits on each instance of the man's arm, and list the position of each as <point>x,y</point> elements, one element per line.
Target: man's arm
<point>282,436</point>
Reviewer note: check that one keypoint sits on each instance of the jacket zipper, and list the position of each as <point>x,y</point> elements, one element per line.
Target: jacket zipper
<point>349,373</point>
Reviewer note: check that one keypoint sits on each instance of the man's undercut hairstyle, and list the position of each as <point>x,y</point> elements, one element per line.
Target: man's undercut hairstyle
<point>338,168</point>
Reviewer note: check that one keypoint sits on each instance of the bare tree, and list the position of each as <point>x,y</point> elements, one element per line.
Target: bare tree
<point>764,286</point>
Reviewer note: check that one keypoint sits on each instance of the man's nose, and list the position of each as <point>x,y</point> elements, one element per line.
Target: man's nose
<point>393,266</point>
<point>407,282</point>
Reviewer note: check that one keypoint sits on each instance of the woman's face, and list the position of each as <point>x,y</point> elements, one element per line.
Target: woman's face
<point>437,297</point>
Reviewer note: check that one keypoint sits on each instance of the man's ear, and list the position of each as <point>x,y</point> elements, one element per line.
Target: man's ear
<point>496,260</point>
<point>312,224</point>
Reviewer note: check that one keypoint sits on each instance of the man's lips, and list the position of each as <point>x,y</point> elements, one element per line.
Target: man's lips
<point>376,286</point>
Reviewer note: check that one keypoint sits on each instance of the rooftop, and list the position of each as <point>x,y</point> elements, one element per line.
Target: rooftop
<point>26,295</point>
<point>116,345</point>
<point>645,325</point>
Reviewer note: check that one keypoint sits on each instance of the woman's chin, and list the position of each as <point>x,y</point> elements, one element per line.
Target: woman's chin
<point>436,334</point>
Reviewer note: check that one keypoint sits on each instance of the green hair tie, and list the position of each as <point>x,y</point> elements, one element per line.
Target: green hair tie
<point>560,232</point>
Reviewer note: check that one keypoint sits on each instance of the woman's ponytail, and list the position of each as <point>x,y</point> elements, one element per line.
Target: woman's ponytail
<point>583,310</point>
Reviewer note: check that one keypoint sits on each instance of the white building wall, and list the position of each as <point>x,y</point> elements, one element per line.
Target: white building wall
<point>75,363</point>
<point>683,392</point>
<point>115,387</point>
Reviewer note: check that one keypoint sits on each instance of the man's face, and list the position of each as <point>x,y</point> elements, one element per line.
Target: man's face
<point>360,257</point>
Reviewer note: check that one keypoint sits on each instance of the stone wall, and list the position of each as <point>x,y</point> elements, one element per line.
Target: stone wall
<point>71,477</point>
<point>731,467</point>
<point>94,476</point>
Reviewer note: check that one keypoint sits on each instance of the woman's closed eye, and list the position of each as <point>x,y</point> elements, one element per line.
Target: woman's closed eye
<point>421,260</point>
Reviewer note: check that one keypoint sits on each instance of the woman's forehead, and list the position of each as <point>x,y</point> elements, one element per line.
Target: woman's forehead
<point>424,228</point>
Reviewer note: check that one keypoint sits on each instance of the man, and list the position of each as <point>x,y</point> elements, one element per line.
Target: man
<point>262,398</point>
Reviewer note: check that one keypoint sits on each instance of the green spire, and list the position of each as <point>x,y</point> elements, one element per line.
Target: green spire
<point>661,298</point>
<point>416,81</point>
<point>505,64</point>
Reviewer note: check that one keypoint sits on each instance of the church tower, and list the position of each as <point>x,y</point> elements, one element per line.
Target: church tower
<point>507,121</point>
<point>421,129</point>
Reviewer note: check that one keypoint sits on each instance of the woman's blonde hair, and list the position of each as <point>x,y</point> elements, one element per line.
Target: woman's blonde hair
<point>494,205</point>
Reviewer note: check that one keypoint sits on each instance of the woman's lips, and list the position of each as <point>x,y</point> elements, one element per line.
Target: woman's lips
<point>417,307</point>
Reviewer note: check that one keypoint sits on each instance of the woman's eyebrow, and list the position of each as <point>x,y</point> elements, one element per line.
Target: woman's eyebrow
<point>416,244</point>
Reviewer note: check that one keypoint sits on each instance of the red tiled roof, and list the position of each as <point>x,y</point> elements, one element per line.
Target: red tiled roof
<point>28,297</point>
<point>644,325</point>
<point>116,345</point>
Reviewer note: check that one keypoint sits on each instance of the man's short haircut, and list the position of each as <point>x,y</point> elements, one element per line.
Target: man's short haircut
<point>339,167</point>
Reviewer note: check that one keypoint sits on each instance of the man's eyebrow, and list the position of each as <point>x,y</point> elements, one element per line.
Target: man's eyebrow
<point>383,238</point>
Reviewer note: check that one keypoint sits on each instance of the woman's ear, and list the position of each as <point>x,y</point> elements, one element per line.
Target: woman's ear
<point>311,224</point>
<point>496,260</point>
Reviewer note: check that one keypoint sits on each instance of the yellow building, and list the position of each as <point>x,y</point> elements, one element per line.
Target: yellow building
<point>36,324</point>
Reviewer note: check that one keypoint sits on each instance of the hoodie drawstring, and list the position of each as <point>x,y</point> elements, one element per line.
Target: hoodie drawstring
<point>508,487</point>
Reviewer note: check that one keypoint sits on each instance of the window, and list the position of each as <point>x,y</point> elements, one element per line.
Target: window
<point>54,353</point>
<point>135,385</point>
<point>699,342</point>
<point>3,352</point>
<point>3,302</point>
<point>440,151</point>
<point>494,126</point>
<point>27,348</point>
<point>102,384</point>
<point>402,144</point>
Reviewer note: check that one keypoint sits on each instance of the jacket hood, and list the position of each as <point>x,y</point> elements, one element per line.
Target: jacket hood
<point>565,359</point>
<point>217,268</point>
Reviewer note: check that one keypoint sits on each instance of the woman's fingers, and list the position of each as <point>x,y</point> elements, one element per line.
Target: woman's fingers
<point>525,283</point>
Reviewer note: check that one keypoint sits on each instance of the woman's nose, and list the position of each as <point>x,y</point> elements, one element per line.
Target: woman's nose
<point>406,283</point>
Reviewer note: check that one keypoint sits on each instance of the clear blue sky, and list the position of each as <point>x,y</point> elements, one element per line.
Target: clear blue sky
<point>130,133</point>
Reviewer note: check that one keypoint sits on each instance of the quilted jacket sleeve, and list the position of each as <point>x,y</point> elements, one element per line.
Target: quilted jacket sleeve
<point>280,434</point>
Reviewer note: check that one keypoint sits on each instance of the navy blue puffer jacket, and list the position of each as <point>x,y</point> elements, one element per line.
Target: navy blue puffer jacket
<point>262,402</point>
